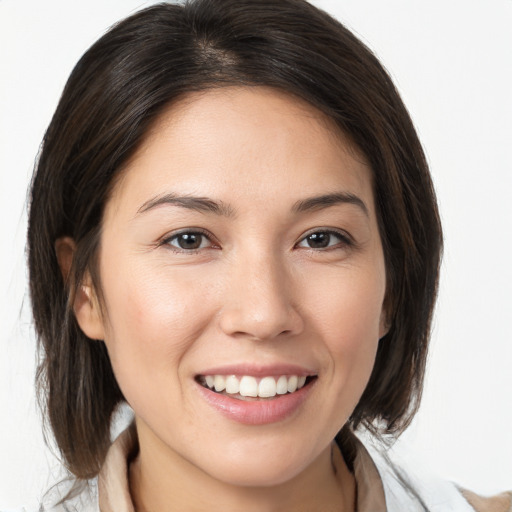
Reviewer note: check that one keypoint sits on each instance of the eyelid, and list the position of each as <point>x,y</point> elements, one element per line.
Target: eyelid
<point>166,239</point>
<point>346,238</point>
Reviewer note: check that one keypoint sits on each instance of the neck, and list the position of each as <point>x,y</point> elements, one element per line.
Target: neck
<point>159,479</point>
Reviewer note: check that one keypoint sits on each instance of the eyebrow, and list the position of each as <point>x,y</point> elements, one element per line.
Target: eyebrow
<point>206,205</point>
<point>200,204</point>
<point>327,200</point>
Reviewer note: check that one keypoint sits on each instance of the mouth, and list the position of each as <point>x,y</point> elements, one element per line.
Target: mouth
<point>251,388</point>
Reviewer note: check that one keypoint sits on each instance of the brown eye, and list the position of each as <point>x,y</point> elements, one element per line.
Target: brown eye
<point>189,241</point>
<point>323,240</point>
<point>318,240</point>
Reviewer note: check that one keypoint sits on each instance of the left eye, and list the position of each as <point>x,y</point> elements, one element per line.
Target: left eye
<point>189,240</point>
<point>322,240</point>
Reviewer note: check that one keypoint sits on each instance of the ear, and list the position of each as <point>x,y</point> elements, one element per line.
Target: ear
<point>85,304</point>
<point>384,323</point>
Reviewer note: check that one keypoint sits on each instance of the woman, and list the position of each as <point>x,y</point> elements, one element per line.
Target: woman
<point>233,229</point>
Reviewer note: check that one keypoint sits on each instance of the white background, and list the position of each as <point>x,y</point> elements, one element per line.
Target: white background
<point>452,62</point>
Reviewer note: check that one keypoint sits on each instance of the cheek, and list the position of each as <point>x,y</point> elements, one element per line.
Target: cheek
<point>153,319</point>
<point>347,310</point>
<point>347,306</point>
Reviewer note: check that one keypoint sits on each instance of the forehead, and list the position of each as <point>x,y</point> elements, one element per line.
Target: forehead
<point>246,144</point>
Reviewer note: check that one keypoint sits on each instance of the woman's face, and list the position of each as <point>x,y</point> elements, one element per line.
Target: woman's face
<point>241,248</point>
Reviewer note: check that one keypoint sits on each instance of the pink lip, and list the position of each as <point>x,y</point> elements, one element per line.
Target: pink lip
<point>257,412</point>
<point>275,370</point>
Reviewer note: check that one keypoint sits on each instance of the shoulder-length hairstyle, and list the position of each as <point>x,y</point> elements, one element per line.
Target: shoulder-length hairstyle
<point>113,97</point>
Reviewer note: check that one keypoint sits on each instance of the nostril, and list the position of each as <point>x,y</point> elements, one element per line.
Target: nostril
<point>252,320</point>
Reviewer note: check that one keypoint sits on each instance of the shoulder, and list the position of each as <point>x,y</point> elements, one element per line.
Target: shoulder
<point>407,482</point>
<point>499,503</point>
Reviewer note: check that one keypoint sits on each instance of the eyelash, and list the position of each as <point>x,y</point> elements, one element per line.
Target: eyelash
<point>195,231</point>
<point>344,240</point>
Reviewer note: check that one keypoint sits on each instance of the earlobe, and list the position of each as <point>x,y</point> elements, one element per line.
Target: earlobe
<point>384,324</point>
<point>87,311</point>
<point>64,250</point>
<point>85,303</point>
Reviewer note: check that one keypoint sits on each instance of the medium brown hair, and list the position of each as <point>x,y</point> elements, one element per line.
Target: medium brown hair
<point>113,97</point>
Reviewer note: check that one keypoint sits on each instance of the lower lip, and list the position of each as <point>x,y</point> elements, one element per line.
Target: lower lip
<point>257,412</point>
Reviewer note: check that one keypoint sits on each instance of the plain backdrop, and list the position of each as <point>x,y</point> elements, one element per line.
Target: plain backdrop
<point>452,62</point>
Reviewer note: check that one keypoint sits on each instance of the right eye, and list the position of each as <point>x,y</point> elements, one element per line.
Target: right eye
<point>188,241</point>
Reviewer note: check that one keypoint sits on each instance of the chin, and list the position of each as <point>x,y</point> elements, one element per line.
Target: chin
<point>257,465</point>
<point>255,473</point>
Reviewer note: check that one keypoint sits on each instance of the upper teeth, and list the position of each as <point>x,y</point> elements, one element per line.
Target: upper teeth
<point>249,386</point>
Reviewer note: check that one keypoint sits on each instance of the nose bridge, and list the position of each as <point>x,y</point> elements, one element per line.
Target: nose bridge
<point>259,302</point>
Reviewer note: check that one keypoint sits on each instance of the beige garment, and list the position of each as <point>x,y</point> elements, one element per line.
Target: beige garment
<point>114,492</point>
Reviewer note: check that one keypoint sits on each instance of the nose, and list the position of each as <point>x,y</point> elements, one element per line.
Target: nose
<point>259,300</point>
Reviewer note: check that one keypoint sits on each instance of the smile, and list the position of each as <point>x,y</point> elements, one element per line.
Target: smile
<point>247,387</point>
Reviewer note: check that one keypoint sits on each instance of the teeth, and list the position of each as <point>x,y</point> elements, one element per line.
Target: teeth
<point>249,386</point>
<point>219,382</point>
<point>232,385</point>
<point>292,384</point>
<point>267,387</point>
<point>282,385</point>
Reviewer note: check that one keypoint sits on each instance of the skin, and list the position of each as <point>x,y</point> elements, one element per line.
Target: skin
<point>255,290</point>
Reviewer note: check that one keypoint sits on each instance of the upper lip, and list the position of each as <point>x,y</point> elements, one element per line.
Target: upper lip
<point>259,370</point>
